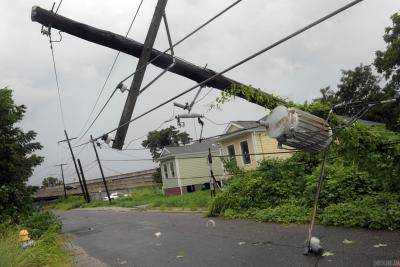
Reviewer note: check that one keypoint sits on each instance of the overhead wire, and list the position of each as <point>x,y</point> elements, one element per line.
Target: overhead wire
<point>252,56</point>
<point>107,79</point>
<point>57,82</point>
<point>187,36</point>
<point>149,62</point>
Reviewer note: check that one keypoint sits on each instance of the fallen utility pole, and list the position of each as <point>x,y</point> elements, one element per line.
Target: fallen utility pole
<point>87,196</point>
<point>134,48</point>
<point>101,168</point>
<point>73,159</point>
<point>62,176</point>
<point>139,74</point>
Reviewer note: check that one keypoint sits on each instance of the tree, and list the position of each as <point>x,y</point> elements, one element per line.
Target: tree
<point>157,140</point>
<point>17,160</point>
<point>387,62</point>
<point>50,182</point>
<point>358,85</point>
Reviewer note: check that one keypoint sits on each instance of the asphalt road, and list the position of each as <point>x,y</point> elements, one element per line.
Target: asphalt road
<point>130,238</point>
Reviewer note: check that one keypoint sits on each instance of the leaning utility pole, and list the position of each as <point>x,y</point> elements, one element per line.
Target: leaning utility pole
<point>87,196</point>
<point>62,176</point>
<point>101,168</point>
<point>157,58</point>
<point>139,74</point>
<point>73,159</point>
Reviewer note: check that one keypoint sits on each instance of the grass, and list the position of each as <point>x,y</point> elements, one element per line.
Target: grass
<point>151,196</point>
<point>48,250</point>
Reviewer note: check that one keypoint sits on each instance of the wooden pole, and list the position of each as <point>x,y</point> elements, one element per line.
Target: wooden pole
<point>101,168</point>
<point>73,159</point>
<point>62,176</point>
<point>87,196</point>
<point>134,48</point>
<point>139,74</point>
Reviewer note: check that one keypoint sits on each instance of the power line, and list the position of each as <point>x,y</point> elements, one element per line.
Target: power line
<point>215,123</point>
<point>106,80</point>
<point>57,82</point>
<point>252,56</point>
<point>188,35</point>
<point>149,62</point>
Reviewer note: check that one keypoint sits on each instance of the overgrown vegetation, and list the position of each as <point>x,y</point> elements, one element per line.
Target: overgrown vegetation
<point>361,187</point>
<point>47,251</point>
<point>152,197</point>
<point>17,161</point>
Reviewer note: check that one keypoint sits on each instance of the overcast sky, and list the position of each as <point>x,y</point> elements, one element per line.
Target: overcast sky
<point>296,70</point>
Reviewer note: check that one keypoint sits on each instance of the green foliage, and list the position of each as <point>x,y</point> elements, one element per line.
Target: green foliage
<point>379,211</point>
<point>157,178</point>
<point>50,182</point>
<point>149,195</point>
<point>363,162</point>
<point>47,251</point>
<point>17,160</point>
<point>249,93</point>
<point>157,140</point>
<point>72,202</point>
<point>341,183</point>
<point>39,223</point>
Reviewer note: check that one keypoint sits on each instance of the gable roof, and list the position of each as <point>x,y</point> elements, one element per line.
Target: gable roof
<point>194,148</point>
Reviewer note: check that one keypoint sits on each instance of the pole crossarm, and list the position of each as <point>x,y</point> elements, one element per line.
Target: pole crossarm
<point>134,48</point>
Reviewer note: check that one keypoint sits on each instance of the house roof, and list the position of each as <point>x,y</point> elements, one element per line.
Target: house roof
<point>194,148</point>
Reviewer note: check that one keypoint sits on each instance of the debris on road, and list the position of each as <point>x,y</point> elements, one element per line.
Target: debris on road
<point>327,254</point>
<point>347,241</point>
<point>158,234</point>
<point>380,245</point>
<point>210,223</point>
<point>241,243</point>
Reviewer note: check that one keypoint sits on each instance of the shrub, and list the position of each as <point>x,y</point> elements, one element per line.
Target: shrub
<point>47,251</point>
<point>291,212</point>
<point>39,223</point>
<point>341,183</point>
<point>380,211</point>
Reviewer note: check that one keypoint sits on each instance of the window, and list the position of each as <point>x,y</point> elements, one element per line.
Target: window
<point>165,170</point>
<point>231,153</point>
<point>172,167</point>
<point>245,151</point>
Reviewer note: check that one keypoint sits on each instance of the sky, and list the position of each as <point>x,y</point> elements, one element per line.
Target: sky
<point>295,70</point>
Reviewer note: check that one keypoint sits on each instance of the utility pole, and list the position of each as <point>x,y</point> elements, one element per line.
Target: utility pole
<point>87,196</point>
<point>131,47</point>
<point>213,181</point>
<point>139,74</point>
<point>62,175</point>
<point>101,168</point>
<point>73,158</point>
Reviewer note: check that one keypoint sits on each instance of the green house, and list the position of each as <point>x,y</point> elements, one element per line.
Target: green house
<point>185,169</point>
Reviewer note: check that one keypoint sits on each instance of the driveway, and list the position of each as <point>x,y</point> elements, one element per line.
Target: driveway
<point>131,238</point>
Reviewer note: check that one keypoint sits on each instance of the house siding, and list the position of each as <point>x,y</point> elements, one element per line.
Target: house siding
<point>195,170</point>
<point>235,141</point>
<point>258,142</point>
<point>266,144</point>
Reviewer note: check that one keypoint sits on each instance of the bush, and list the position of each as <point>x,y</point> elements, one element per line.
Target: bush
<point>47,251</point>
<point>290,212</point>
<point>272,183</point>
<point>341,183</point>
<point>360,187</point>
<point>381,211</point>
<point>39,223</point>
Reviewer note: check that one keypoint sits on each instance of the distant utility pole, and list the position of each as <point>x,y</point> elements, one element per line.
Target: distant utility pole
<point>86,194</point>
<point>73,158</point>
<point>101,168</point>
<point>62,175</point>
<point>139,74</point>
